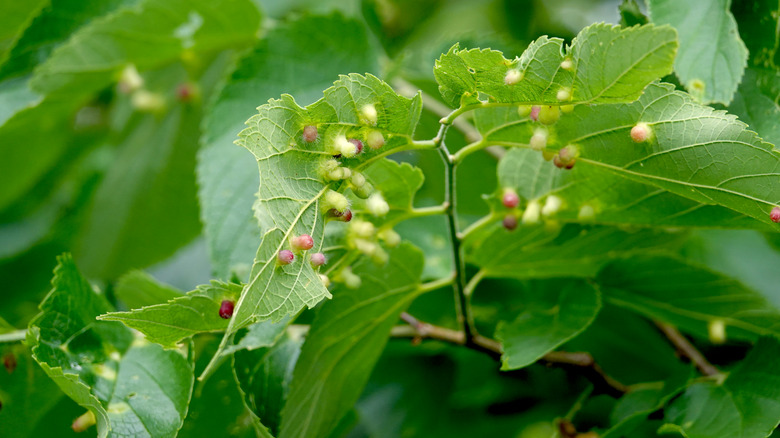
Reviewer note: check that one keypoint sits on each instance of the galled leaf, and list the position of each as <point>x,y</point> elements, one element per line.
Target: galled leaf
<point>605,64</point>
<point>227,179</point>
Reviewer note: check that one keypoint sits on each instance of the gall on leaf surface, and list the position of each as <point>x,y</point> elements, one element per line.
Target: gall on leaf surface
<point>102,367</point>
<point>608,64</point>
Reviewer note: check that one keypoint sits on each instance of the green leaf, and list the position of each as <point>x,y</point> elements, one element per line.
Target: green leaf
<point>573,251</point>
<point>84,65</point>
<point>618,338</point>
<point>688,296</point>
<point>745,404</point>
<point>53,24</point>
<point>138,289</point>
<point>696,152</point>
<point>24,166</point>
<point>264,376</point>
<point>16,17</point>
<point>613,199</point>
<point>551,317</point>
<point>632,409</point>
<point>285,209</point>
<point>345,341</point>
<point>98,364</point>
<point>712,57</point>
<point>28,396</point>
<point>756,109</point>
<point>170,323</point>
<point>226,176</point>
<point>625,62</point>
<point>758,28</point>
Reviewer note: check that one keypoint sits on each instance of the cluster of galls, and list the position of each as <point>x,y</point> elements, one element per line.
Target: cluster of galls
<point>533,211</point>
<point>131,83</point>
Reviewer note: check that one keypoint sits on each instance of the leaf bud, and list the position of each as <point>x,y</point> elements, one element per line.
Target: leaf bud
<point>363,191</point>
<point>358,179</point>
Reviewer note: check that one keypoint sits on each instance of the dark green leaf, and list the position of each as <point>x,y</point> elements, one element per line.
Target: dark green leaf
<point>551,317</point>
<point>745,404</point>
<point>345,341</point>
<point>688,296</point>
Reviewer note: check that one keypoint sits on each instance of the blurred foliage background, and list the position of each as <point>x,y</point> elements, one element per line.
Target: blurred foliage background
<point>126,180</point>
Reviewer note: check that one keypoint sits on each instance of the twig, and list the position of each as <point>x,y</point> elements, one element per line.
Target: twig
<point>687,350</point>
<point>581,361</point>
<point>14,336</point>
<point>432,104</point>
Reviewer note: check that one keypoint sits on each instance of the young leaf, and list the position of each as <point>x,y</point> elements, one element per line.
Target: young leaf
<point>170,323</point>
<point>345,341</point>
<point>83,65</point>
<point>574,251</point>
<point>551,317</point>
<point>687,296</point>
<point>605,64</point>
<point>227,177</point>
<point>98,364</point>
<point>611,198</point>
<point>138,289</point>
<point>264,376</point>
<point>712,57</point>
<point>745,404</point>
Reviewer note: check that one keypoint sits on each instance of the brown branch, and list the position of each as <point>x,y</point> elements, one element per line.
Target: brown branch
<point>687,350</point>
<point>582,362</point>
